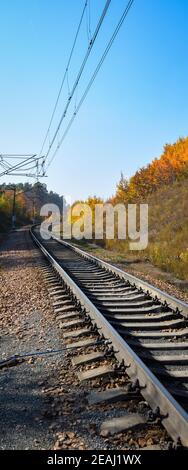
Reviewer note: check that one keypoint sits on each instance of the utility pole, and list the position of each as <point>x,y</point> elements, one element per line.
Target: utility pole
<point>13,208</point>
<point>34,210</point>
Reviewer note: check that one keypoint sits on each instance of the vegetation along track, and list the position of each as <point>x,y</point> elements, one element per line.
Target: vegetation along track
<point>147,328</point>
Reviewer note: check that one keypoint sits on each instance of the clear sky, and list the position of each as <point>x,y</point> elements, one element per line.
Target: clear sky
<point>138,103</point>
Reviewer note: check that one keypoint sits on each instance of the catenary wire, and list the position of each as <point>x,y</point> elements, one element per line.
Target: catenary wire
<point>120,23</point>
<point>64,76</point>
<point>107,4</point>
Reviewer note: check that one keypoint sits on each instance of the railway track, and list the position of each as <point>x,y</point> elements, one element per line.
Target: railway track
<point>146,328</point>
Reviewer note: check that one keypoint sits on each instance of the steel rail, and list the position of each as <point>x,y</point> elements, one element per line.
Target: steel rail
<point>145,286</point>
<point>174,417</point>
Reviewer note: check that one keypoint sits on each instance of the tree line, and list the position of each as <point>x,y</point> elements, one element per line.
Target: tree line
<point>29,198</point>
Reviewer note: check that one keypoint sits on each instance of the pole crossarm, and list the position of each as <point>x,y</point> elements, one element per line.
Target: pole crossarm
<point>20,165</point>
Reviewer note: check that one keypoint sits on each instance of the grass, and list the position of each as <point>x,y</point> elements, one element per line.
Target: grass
<point>168,229</point>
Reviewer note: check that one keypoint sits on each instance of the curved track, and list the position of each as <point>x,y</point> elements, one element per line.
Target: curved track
<point>148,328</point>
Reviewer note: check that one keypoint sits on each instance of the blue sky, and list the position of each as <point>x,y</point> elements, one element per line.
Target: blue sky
<point>138,103</point>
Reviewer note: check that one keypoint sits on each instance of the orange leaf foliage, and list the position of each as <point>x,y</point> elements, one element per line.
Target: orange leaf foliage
<point>171,166</point>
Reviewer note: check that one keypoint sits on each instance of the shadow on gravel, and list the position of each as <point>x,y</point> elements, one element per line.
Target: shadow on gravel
<point>16,262</point>
<point>22,408</point>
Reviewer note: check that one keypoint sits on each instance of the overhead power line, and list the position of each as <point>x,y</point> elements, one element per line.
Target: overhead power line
<point>15,155</point>
<point>108,47</point>
<point>90,47</point>
<point>24,164</point>
<point>65,75</point>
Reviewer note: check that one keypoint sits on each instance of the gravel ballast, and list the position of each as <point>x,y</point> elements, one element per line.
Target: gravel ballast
<point>26,325</point>
<point>43,403</point>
